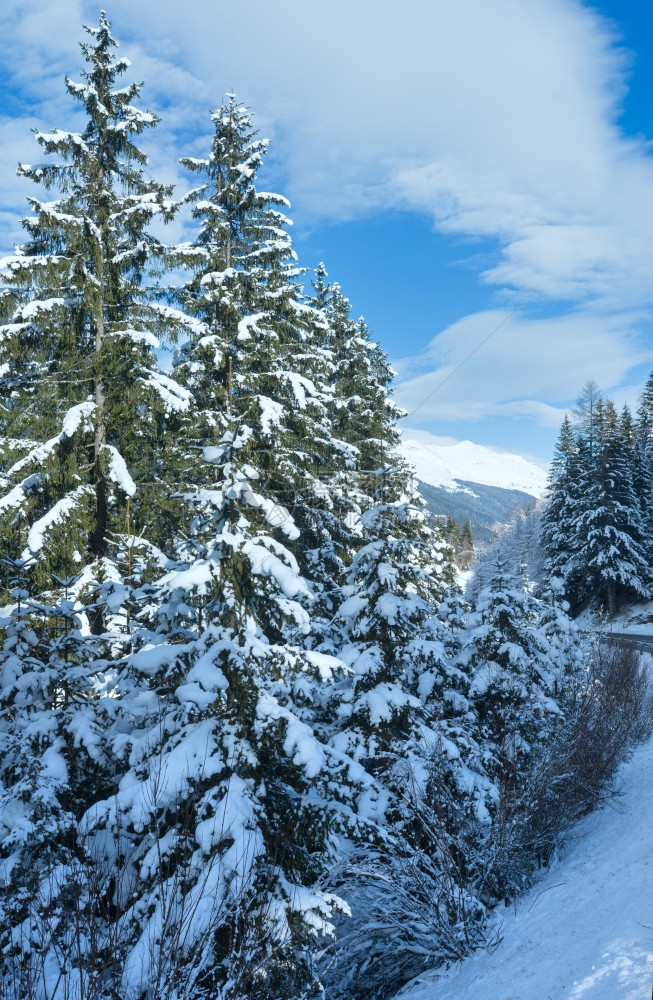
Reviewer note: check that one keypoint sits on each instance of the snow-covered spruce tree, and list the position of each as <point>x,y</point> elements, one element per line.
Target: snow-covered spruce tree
<point>257,339</point>
<point>594,526</point>
<point>402,712</point>
<point>645,412</point>
<point>230,803</point>
<point>231,799</point>
<point>560,515</point>
<point>364,413</point>
<point>627,427</point>
<point>465,554</point>
<point>514,680</point>
<point>86,417</point>
<point>566,652</point>
<point>642,464</point>
<point>609,527</point>
<point>80,372</point>
<point>528,669</point>
<point>401,569</point>
<point>520,655</point>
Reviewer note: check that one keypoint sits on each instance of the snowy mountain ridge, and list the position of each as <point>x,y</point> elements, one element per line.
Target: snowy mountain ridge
<point>449,466</point>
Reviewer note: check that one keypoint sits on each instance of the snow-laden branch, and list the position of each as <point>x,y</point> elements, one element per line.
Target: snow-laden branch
<point>76,417</point>
<point>175,397</point>
<point>56,514</point>
<point>118,472</point>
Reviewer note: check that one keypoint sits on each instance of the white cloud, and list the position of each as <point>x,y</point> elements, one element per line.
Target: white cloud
<point>499,119</point>
<point>524,363</point>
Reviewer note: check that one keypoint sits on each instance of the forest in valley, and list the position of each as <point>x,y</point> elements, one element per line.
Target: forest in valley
<point>254,741</point>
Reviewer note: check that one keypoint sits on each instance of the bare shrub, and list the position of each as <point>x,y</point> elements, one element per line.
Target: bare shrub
<point>408,915</point>
<point>422,901</point>
<point>608,710</point>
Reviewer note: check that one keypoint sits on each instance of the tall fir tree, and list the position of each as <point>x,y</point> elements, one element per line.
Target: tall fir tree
<point>78,361</point>
<point>401,709</point>
<point>223,703</point>
<point>514,679</point>
<point>259,346</point>
<point>88,419</point>
<point>642,464</point>
<point>611,547</point>
<point>559,516</point>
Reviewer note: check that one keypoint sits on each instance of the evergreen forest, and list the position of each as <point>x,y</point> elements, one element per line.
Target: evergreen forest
<point>254,741</point>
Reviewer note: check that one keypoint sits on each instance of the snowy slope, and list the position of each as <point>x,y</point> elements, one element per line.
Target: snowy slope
<point>447,465</point>
<point>585,931</point>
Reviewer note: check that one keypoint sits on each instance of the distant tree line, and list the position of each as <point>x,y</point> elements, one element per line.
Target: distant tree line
<point>460,538</point>
<point>597,524</point>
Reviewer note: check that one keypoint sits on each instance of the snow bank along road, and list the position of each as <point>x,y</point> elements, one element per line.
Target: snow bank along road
<point>585,931</point>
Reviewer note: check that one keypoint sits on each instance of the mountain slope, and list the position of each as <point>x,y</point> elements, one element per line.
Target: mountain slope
<point>471,481</point>
<point>484,506</point>
<point>447,465</point>
<point>585,931</point>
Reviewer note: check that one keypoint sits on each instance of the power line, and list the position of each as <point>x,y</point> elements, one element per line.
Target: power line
<point>464,361</point>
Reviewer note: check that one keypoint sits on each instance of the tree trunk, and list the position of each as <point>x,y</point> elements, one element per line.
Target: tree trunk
<point>99,530</point>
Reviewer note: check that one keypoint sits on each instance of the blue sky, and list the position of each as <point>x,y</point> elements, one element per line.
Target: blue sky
<point>452,164</point>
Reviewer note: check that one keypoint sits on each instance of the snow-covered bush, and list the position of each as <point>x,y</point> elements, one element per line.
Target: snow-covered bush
<point>411,899</point>
<point>607,708</point>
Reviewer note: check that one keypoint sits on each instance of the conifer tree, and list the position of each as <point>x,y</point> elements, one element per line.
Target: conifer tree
<point>365,414</point>
<point>401,709</point>
<point>609,527</point>
<point>386,627</point>
<point>87,417</point>
<point>588,415</point>
<point>466,545</point>
<point>514,676</point>
<point>78,361</point>
<point>226,771</point>
<point>229,793</point>
<point>259,349</point>
<point>645,414</point>
<point>559,516</point>
<point>642,465</point>
<point>627,427</point>
<point>593,527</point>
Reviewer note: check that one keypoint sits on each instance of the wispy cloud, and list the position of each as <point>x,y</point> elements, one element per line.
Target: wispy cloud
<point>498,120</point>
<point>525,363</point>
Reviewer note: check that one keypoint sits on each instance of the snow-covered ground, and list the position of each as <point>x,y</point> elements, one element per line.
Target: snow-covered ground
<point>442,464</point>
<point>638,618</point>
<point>585,931</point>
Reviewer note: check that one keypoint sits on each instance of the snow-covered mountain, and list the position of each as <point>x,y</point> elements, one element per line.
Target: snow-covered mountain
<point>451,465</point>
<point>471,481</point>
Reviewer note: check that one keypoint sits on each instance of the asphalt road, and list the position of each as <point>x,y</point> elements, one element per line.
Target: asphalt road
<point>640,639</point>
